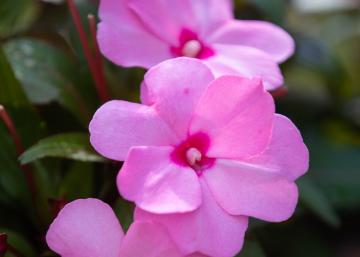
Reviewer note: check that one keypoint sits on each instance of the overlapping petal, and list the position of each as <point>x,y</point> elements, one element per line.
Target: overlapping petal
<point>129,47</point>
<point>172,15</point>
<point>211,14</point>
<point>84,228</point>
<point>286,154</point>
<point>119,125</point>
<point>237,114</point>
<point>250,190</point>
<point>261,35</point>
<point>148,239</point>
<point>208,230</point>
<point>174,87</point>
<point>245,61</point>
<point>156,184</point>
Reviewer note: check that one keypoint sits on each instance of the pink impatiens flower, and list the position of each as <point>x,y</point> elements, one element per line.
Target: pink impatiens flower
<point>202,154</point>
<point>146,32</point>
<point>89,228</point>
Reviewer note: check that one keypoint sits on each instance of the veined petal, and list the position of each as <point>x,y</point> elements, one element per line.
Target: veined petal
<point>156,184</point>
<point>148,239</point>
<point>128,46</point>
<point>209,230</point>
<point>245,189</point>
<point>237,114</point>
<point>173,88</point>
<point>286,154</point>
<point>261,35</point>
<point>245,61</point>
<point>118,125</point>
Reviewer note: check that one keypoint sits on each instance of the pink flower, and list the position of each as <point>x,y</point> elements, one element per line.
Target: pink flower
<point>89,228</point>
<point>144,33</point>
<point>202,155</point>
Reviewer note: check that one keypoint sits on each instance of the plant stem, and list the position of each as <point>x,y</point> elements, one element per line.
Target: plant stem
<point>96,73</point>
<point>279,92</point>
<point>5,117</point>
<point>98,58</point>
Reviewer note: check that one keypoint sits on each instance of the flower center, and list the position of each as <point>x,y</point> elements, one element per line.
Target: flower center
<point>193,156</point>
<point>192,153</point>
<point>191,48</point>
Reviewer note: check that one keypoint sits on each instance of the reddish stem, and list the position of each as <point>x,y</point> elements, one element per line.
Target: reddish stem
<point>280,92</point>
<point>3,244</point>
<point>98,57</point>
<point>94,70</point>
<point>19,147</point>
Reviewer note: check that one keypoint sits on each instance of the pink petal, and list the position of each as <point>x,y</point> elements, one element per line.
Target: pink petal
<point>148,239</point>
<point>210,14</point>
<point>84,228</point>
<point>118,125</point>
<point>237,114</point>
<point>209,230</point>
<point>117,12</point>
<point>156,184</point>
<point>286,154</point>
<point>250,190</point>
<point>131,46</point>
<point>262,35</point>
<point>245,61</point>
<point>164,18</point>
<point>174,87</point>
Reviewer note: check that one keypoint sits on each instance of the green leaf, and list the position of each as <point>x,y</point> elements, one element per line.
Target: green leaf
<point>20,243</point>
<point>16,103</point>
<point>70,187</point>
<point>316,201</point>
<point>251,248</point>
<point>273,9</point>
<point>17,15</point>
<point>46,73</point>
<point>73,146</point>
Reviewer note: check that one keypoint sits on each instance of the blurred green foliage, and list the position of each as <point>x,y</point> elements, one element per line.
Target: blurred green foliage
<point>47,89</point>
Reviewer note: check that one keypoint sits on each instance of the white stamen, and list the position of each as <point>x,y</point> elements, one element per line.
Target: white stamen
<point>193,155</point>
<point>191,48</point>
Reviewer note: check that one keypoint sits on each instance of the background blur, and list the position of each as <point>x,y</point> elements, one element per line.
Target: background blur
<point>47,89</point>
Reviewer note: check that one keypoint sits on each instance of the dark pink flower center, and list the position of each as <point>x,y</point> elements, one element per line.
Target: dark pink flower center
<point>192,153</point>
<point>191,46</point>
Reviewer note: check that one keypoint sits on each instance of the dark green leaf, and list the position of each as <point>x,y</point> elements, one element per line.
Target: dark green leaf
<point>73,146</point>
<point>19,107</point>
<point>251,248</point>
<point>78,181</point>
<point>46,73</point>
<point>17,15</point>
<point>316,201</point>
<point>273,9</point>
<point>20,243</point>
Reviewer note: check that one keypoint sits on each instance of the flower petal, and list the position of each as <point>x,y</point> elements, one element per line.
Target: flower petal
<point>210,14</point>
<point>245,61</point>
<point>208,230</point>
<point>262,35</point>
<point>148,239</point>
<point>245,189</point>
<point>174,88</point>
<point>86,227</point>
<point>131,46</point>
<point>237,114</point>
<point>119,125</point>
<point>156,184</point>
<point>286,154</point>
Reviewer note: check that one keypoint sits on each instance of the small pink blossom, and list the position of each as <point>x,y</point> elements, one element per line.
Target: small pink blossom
<point>202,154</point>
<point>89,228</point>
<point>144,33</point>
